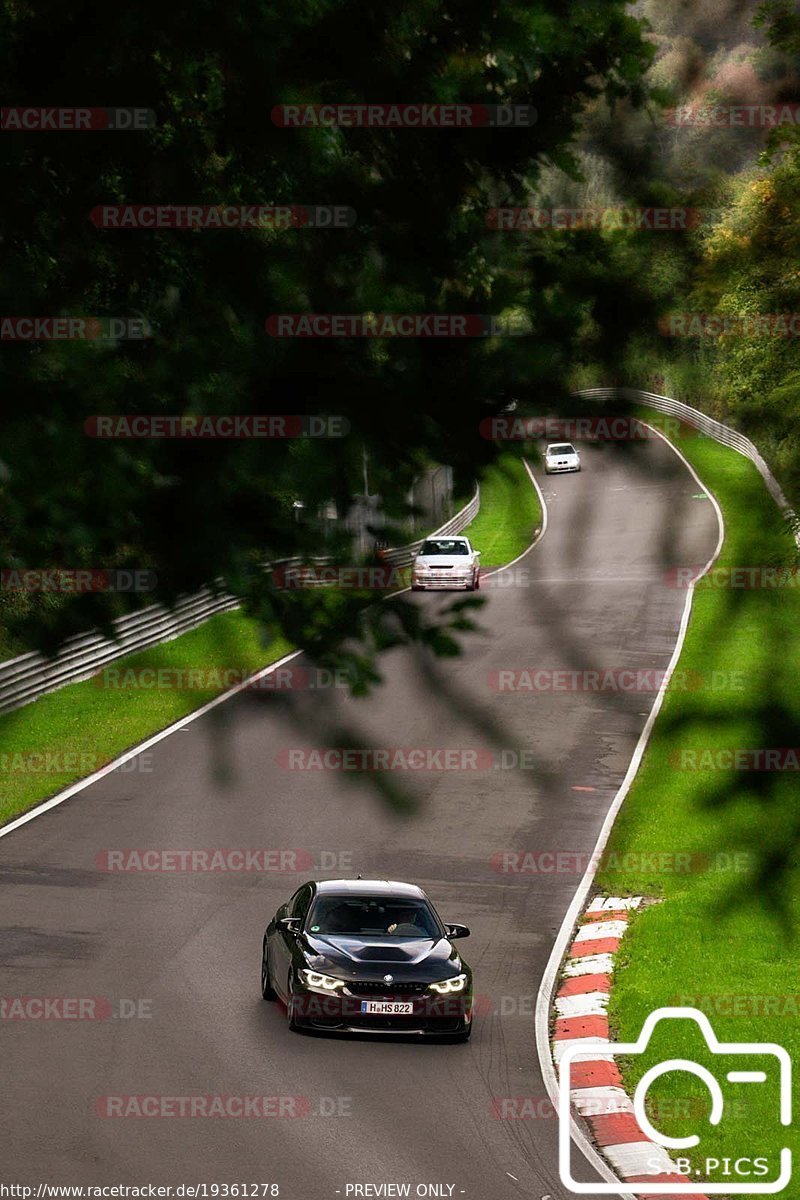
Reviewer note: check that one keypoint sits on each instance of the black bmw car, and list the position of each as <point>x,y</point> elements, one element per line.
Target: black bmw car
<point>367,956</point>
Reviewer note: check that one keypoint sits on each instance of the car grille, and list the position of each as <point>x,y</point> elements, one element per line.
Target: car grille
<point>373,987</point>
<point>439,576</point>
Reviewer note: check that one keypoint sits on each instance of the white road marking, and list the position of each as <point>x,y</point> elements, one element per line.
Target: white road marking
<point>592,964</point>
<point>613,903</point>
<point>640,1158</point>
<point>586,1043</point>
<point>551,971</point>
<point>600,1101</point>
<point>585,1004</point>
<point>601,929</point>
<point>177,726</point>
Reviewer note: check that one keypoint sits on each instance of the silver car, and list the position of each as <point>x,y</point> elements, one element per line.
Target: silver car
<point>446,562</point>
<point>561,456</point>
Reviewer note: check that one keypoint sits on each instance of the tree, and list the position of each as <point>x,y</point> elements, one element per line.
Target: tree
<point>200,511</point>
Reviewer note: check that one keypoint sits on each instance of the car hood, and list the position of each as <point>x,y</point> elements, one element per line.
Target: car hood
<point>358,958</point>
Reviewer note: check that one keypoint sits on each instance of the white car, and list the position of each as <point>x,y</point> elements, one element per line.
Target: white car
<point>446,562</point>
<point>561,456</point>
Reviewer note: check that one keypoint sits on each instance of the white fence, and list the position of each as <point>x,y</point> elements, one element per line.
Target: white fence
<point>32,675</point>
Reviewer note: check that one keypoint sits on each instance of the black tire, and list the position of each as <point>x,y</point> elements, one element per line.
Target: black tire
<point>290,1013</point>
<point>477,587</point>
<point>267,990</point>
<point>415,587</point>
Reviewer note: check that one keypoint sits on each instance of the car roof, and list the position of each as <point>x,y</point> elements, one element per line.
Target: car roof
<point>445,537</point>
<point>370,887</point>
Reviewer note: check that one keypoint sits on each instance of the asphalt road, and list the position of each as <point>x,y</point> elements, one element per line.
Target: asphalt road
<point>185,947</point>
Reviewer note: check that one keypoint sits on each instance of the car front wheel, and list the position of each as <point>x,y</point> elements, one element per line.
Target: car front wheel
<point>291,1006</point>
<point>267,990</point>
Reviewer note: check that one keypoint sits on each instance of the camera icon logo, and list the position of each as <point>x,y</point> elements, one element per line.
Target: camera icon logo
<point>608,1051</point>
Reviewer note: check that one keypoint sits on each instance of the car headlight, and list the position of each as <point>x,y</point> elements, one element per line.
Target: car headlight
<point>418,566</point>
<point>456,984</point>
<point>325,983</point>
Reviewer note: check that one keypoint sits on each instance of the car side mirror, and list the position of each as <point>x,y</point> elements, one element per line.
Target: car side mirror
<point>290,924</point>
<point>456,931</point>
<point>477,553</point>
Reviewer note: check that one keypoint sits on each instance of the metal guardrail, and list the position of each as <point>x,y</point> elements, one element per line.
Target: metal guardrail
<point>403,556</point>
<point>713,429</point>
<point>31,675</point>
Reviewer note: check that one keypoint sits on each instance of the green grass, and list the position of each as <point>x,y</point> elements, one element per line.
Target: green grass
<point>724,940</point>
<point>509,514</point>
<point>85,725</point>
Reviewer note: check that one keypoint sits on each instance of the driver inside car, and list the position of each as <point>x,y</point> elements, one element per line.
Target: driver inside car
<point>405,923</point>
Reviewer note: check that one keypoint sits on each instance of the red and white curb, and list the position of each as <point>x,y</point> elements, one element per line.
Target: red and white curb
<point>581,1005</point>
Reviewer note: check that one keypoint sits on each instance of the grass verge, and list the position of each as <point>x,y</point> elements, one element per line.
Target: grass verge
<point>68,734</point>
<point>509,515</point>
<point>718,843</point>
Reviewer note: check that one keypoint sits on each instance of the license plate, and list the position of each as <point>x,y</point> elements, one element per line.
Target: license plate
<point>388,1008</point>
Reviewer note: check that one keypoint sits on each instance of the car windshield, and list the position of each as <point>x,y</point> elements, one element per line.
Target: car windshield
<point>444,546</point>
<point>373,917</point>
<point>561,448</point>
